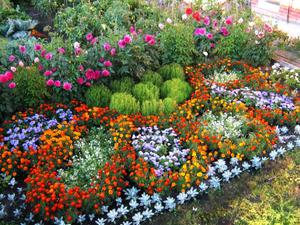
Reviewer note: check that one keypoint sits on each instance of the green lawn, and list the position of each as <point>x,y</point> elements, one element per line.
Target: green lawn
<point>269,196</point>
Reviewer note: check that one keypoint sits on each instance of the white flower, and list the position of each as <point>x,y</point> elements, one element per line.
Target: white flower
<point>297,129</point>
<point>59,221</point>
<point>227,175</point>
<point>184,17</point>
<point>273,154</point>
<point>100,221</point>
<point>236,171</point>
<point>126,223</point>
<point>2,212</point>
<point>241,20</point>
<point>214,182</point>
<point>137,218</point>
<point>123,210</point>
<point>91,217</point>
<point>17,213</point>
<point>76,44</point>
<point>12,182</point>
<point>192,192</point>
<point>297,142</point>
<point>195,209</point>
<point>256,162</point>
<point>156,198</point>
<point>221,165</point>
<point>119,201</point>
<point>133,204</point>
<point>169,20</point>
<point>211,171</point>
<point>284,130</point>
<point>281,150</point>
<point>148,213</point>
<point>30,218</point>
<point>21,64</point>
<point>11,197</point>
<point>81,218</point>
<point>131,193</point>
<point>234,161</point>
<point>205,54</point>
<point>203,187</point>
<point>145,199</point>
<point>104,208</point>
<point>112,215</point>
<point>158,207</point>
<point>182,197</point>
<point>161,26</point>
<point>2,196</point>
<point>36,60</point>
<point>251,24</point>
<point>290,145</point>
<point>170,203</point>
<point>13,69</point>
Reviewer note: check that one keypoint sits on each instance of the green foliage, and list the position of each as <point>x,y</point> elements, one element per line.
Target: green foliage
<point>146,91</point>
<point>171,71</point>
<point>124,103</point>
<point>176,89</point>
<point>177,43</point>
<point>152,77</point>
<point>169,105</point>
<point>5,4</point>
<point>152,107</point>
<point>98,95</point>
<point>125,84</point>
<point>9,13</point>
<point>30,88</point>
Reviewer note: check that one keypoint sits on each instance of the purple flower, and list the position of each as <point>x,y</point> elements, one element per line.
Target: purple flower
<point>11,58</point>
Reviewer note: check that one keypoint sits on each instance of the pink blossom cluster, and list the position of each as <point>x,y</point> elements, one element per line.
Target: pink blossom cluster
<point>7,77</point>
<point>56,83</point>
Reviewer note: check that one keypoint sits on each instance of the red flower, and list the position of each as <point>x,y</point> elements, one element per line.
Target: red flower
<point>197,16</point>
<point>189,11</point>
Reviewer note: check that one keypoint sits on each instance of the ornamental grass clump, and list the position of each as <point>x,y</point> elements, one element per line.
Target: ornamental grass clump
<point>172,71</point>
<point>125,84</point>
<point>169,105</point>
<point>98,95</point>
<point>124,103</point>
<point>176,89</point>
<point>152,107</point>
<point>152,77</point>
<point>145,92</point>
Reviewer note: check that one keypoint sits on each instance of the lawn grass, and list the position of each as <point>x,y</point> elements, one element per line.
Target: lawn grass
<point>268,196</point>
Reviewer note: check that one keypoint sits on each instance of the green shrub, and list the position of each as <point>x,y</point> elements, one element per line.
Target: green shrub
<point>146,91</point>
<point>125,84</point>
<point>177,44</point>
<point>98,95</point>
<point>169,105</point>
<point>176,89</point>
<point>171,71</point>
<point>152,77</point>
<point>124,103</point>
<point>30,88</point>
<point>152,107</point>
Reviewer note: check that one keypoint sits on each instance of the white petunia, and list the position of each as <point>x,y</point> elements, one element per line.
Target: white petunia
<point>137,218</point>
<point>182,197</point>
<point>112,215</point>
<point>156,197</point>
<point>227,175</point>
<point>133,203</point>
<point>148,213</point>
<point>170,203</point>
<point>123,210</point>
<point>100,221</point>
<point>131,193</point>
<point>214,182</point>
<point>158,207</point>
<point>145,199</point>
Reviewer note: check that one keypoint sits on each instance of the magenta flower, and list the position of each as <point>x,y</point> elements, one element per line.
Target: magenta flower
<point>224,31</point>
<point>150,39</point>
<point>48,73</point>
<point>106,47</point>
<point>101,60</point>
<point>81,68</point>
<point>22,49</point>
<point>212,45</point>
<point>122,44</point>
<point>43,53</point>
<point>50,82</point>
<point>89,36</point>
<point>88,84</point>
<point>215,24</point>
<point>57,83</point>
<point>132,29</point>
<point>40,67</point>
<point>105,73</point>
<point>94,41</point>
<point>12,85</point>
<point>11,58</point>
<point>61,51</point>
<point>113,52</point>
<point>127,38</point>
<point>210,36</point>
<point>206,21</point>
<point>80,80</point>
<point>6,77</point>
<point>107,64</point>
<point>37,47</point>
<point>90,74</point>
<point>200,32</point>
<point>67,86</point>
<point>228,21</point>
<point>48,56</point>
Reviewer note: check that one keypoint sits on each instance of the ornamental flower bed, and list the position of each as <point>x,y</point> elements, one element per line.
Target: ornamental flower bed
<point>75,164</point>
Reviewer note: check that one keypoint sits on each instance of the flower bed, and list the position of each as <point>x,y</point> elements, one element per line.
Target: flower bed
<point>145,164</point>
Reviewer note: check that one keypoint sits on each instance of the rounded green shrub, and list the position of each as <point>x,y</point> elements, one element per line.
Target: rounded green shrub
<point>152,107</point>
<point>171,71</point>
<point>30,88</point>
<point>125,84</point>
<point>98,95</point>
<point>124,103</point>
<point>152,77</point>
<point>176,89</point>
<point>169,105</point>
<point>145,91</point>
